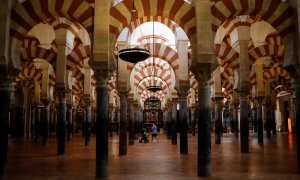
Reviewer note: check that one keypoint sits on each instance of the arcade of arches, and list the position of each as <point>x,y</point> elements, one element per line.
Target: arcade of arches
<point>223,65</point>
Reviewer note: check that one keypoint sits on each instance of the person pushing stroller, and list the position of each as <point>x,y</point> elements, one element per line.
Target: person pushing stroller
<point>144,138</point>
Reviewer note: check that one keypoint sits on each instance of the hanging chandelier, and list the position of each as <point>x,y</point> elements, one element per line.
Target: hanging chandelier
<point>153,87</point>
<point>133,54</point>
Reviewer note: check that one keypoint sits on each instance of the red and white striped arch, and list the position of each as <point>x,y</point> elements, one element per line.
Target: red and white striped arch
<point>25,83</point>
<point>36,74</point>
<point>266,50</point>
<point>170,24</point>
<point>179,11</point>
<point>163,52</point>
<point>148,81</point>
<point>147,94</point>
<point>29,53</point>
<point>76,57</point>
<point>280,84</point>
<point>148,39</point>
<point>276,71</point>
<point>227,55</point>
<point>31,12</point>
<point>275,12</point>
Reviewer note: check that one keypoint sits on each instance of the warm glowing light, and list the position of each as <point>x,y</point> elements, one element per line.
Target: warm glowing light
<point>290,125</point>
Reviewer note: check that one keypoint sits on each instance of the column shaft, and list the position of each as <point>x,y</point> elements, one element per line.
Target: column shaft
<point>4,119</point>
<point>218,120</point>
<point>61,126</point>
<point>244,74</point>
<point>88,119</point>
<point>102,131</point>
<point>204,130</point>
<point>260,129</point>
<point>297,103</point>
<point>123,126</point>
<point>46,124</point>
<point>174,123</point>
<point>131,123</point>
<point>244,124</point>
<point>37,123</point>
<point>183,123</point>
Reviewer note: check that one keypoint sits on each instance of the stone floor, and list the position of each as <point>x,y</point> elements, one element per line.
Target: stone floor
<point>154,161</point>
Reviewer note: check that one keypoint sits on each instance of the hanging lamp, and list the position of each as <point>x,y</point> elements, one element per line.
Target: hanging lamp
<point>153,87</point>
<point>136,54</point>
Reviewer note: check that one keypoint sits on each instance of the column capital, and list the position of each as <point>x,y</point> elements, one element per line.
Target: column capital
<point>102,77</point>
<point>61,93</point>
<point>202,71</point>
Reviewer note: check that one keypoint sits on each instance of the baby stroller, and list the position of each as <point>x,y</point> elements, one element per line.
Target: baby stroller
<point>144,138</point>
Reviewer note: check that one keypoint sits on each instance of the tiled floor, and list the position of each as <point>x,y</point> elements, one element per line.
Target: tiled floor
<point>155,161</point>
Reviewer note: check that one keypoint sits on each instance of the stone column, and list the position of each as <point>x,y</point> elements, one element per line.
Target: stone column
<point>136,120</point>
<point>88,120</point>
<point>131,123</point>
<point>111,121</point>
<point>33,113</point>
<point>273,120</point>
<point>260,129</point>
<point>101,123</point>
<point>169,121</point>
<point>5,92</point>
<point>123,123</point>
<point>255,117</point>
<point>236,115</point>
<point>174,122</point>
<point>204,123</point>
<point>46,119</point>
<point>37,122</point>
<point>61,121</point>
<point>183,121</point>
<point>69,121</point>
<point>297,103</point>
<point>268,119</point>
<point>243,92</point>
<point>218,119</point>
<point>117,120</point>
<point>193,121</point>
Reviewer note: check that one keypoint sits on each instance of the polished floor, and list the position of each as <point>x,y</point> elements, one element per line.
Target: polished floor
<point>154,161</point>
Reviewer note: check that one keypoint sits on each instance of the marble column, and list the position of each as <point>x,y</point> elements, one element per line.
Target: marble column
<point>117,120</point>
<point>37,122</point>
<point>236,119</point>
<point>273,119</point>
<point>183,122</point>
<point>123,124</point>
<point>218,119</point>
<point>102,123</point>
<point>69,121</point>
<point>33,113</point>
<point>88,120</point>
<point>204,124</point>
<point>136,121</point>
<point>5,92</point>
<point>51,120</point>
<point>268,119</point>
<point>169,122</point>
<point>193,121</point>
<point>111,121</point>
<point>45,124</point>
<point>61,121</point>
<point>131,123</point>
<point>244,90</point>
<point>255,117</point>
<point>174,122</point>
<point>297,103</point>
<point>260,129</point>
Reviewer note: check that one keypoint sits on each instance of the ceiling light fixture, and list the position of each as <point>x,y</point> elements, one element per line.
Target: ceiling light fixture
<point>153,87</point>
<point>133,54</point>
